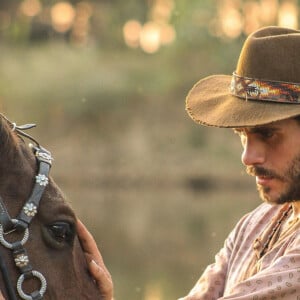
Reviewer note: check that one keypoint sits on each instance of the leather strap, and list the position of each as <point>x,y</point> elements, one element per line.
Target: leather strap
<point>5,219</point>
<point>6,278</point>
<point>44,161</point>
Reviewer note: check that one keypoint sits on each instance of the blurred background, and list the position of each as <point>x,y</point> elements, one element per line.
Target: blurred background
<point>106,83</point>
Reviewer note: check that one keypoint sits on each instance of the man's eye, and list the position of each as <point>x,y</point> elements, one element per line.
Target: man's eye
<point>60,234</point>
<point>267,134</point>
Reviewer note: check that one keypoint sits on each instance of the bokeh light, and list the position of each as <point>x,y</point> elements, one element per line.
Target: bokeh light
<point>235,17</point>
<point>154,33</point>
<point>230,19</point>
<point>268,11</point>
<point>132,31</point>
<point>251,12</point>
<point>167,34</point>
<point>150,37</point>
<point>81,24</point>
<point>31,8</point>
<point>153,292</point>
<point>162,10</point>
<point>288,14</point>
<point>62,16</point>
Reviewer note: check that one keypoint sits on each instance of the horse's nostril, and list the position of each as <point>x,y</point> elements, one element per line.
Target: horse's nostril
<point>59,234</point>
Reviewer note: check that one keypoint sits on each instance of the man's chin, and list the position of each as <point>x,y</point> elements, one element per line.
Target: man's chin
<point>270,197</point>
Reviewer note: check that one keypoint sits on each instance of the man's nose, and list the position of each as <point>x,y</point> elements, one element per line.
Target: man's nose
<point>253,153</point>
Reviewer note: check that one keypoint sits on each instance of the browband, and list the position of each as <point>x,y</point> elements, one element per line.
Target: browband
<point>264,90</point>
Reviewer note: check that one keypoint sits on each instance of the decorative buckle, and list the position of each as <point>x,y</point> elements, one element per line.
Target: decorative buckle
<point>42,290</point>
<point>8,245</point>
<point>43,155</point>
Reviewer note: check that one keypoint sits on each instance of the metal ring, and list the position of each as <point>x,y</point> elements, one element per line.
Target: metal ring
<point>10,245</point>
<point>37,275</point>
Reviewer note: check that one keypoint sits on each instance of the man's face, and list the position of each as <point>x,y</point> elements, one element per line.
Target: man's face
<point>271,153</point>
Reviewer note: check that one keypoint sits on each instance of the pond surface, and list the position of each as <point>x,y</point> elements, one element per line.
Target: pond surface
<point>156,241</point>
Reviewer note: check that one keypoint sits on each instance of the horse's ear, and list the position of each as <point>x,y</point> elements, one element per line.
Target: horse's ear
<point>9,141</point>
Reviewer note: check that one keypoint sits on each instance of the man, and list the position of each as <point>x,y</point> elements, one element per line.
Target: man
<point>261,102</point>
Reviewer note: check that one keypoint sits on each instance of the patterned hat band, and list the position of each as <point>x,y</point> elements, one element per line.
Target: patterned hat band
<point>265,90</point>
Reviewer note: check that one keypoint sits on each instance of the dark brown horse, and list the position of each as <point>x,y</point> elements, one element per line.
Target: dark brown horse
<point>52,248</point>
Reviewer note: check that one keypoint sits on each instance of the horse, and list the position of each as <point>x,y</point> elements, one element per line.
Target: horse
<point>40,253</point>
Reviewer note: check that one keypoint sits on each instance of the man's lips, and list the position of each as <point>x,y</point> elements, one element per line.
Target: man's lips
<point>263,176</point>
<point>264,179</point>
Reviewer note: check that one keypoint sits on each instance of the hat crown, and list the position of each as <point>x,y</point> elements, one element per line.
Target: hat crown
<point>270,54</point>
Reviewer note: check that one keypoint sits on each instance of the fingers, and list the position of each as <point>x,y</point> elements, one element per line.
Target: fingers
<point>103,280</point>
<point>88,243</point>
<point>95,262</point>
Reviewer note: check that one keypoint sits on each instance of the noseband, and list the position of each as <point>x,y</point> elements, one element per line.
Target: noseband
<point>20,224</point>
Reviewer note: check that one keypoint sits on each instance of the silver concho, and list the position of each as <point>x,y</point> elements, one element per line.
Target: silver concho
<point>30,210</point>
<point>41,179</point>
<point>21,260</point>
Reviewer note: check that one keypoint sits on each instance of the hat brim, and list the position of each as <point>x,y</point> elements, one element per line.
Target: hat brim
<point>210,103</point>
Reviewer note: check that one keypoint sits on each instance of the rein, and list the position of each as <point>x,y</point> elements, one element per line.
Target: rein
<point>20,224</point>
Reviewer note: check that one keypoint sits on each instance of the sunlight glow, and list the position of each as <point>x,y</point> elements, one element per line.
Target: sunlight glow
<point>162,10</point>
<point>252,13</point>
<point>155,32</point>
<point>150,37</point>
<point>268,11</point>
<point>62,16</point>
<point>231,22</point>
<point>288,14</point>
<point>30,8</point>
<point>153,292</point>
<point>167,34</point>
<point>81,23</point>
<point>236,17</point>
<point>131,32</point>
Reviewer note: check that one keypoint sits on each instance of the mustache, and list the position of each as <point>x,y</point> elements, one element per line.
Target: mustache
<point>260,171</point>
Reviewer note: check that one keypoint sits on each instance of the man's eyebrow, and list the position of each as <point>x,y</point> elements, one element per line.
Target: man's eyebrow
<point>257,129</point>
<point>262,129</point>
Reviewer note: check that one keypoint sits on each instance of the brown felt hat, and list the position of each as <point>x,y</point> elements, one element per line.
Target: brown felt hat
<point>264,88</point>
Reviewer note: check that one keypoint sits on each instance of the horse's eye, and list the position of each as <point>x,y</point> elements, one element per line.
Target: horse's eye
<point>61,233</point>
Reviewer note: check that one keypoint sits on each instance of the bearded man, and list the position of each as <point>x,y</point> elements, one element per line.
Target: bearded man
<point>261,102</point>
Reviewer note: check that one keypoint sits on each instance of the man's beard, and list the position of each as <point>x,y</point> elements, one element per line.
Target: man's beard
<point>291,178</point>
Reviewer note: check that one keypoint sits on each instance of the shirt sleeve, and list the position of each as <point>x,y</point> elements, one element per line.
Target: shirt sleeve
<point>212,282</point>
<point>280,280</point>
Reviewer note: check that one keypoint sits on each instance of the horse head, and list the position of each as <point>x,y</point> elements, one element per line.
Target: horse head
<point>40,254</point>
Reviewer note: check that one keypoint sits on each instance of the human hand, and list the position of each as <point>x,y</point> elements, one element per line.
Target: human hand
<point>95,262</point>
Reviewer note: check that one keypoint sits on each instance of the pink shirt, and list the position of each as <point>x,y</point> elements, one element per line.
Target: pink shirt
<point>239,274</point>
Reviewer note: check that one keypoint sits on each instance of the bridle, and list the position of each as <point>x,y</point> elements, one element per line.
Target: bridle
<point>21,223</point>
